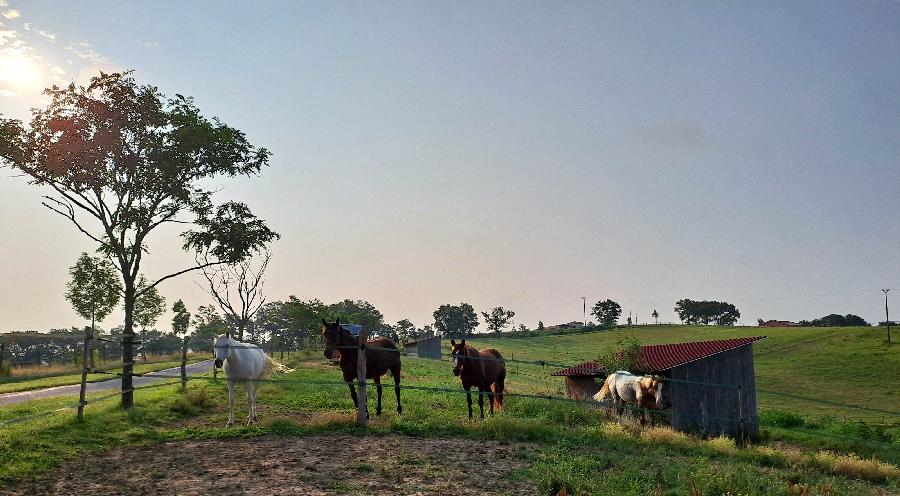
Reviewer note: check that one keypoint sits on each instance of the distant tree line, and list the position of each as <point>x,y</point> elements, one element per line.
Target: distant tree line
<point>707,312</point>
<point>835,320</point>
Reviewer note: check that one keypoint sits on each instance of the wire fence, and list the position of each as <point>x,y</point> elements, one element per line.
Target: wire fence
<point>666,416</point>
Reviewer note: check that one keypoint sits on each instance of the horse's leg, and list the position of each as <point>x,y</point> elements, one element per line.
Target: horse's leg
<point>469,400</point>
<point>251,399</point>
<point>377,382</point>
<point>481,401</point>
<point>490,396</point>
<point>230,404</point>
<point>396,373</point>
<point>353,394</point>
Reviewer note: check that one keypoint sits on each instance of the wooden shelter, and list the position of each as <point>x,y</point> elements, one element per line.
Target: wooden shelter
<point>429,347</point>
<point>712,384</point>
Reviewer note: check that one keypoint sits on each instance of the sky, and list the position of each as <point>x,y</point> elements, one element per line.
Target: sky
<point>521,154</point>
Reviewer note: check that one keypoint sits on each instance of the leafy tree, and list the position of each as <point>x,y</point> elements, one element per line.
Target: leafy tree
<point>182,319</point>
<point>361,312</point>
<point>405,330</point>
<point>522,328</point>
<point>836,320</point>
<point>497,319</point>
<point>655,316</point>
<point>94,289</point>
<point>129,160</point>
<point>607,312</point>
<point>626,355</point>
<point>455,321</point>
<point>706,312</point>
<point>540,326</point>
<point>207,325</point>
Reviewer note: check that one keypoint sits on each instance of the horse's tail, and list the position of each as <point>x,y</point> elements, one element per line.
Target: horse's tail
<point>497,388</point>
<point>273,367</point>
<point>604,391</point>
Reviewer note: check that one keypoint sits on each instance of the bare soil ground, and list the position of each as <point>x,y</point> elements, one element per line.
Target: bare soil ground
<point>316,465</point>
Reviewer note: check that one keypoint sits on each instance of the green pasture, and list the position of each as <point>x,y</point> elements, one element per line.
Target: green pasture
<point>577,446</point>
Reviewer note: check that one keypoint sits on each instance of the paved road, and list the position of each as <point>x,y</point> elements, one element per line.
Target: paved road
<point>112,384</point>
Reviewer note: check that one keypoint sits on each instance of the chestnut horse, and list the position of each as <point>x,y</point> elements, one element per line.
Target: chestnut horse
<point>483,369</point>
<point>379,359</point>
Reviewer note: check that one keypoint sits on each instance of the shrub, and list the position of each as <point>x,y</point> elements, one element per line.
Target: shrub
<point>192,401</point>
<point>780,419</point>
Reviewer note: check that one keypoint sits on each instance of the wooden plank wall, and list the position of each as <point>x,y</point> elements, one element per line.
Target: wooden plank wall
<point>714,410</point>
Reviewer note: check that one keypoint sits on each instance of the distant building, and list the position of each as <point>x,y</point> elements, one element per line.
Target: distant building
<point>429,347</point>
<point>777,323</point>
<point>565,327</point>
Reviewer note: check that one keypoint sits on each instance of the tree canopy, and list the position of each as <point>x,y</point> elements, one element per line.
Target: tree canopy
<point>181,321</point>
<point>455,321</point>
<point>607,312</point>
<point>497,319</point>
<point>94,289</point>
<point>121,160</point>
<point>707,312</point>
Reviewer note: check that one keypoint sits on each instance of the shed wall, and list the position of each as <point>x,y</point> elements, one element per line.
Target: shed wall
<point>714,410</point>
<point>426,348</point>
<point>581,388</point>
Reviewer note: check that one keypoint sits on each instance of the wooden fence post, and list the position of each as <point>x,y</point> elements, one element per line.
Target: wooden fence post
<point>184,364</point>
<point>361,405</point>
<point>2,345</point>
<point>84,373</point>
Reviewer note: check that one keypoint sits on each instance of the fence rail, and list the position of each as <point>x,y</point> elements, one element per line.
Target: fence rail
<point>362,384</point>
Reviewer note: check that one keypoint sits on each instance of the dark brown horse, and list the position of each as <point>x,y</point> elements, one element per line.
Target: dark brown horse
<point>483,369</point>
<point>379,359</point>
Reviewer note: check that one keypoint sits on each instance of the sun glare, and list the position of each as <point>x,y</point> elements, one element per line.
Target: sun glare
<point>20,72</point>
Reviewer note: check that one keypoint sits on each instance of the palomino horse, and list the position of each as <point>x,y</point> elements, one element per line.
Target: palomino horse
<point>382,356</point>
<point>246,363</point>
<point>644,391</point>
<point>483,369</point>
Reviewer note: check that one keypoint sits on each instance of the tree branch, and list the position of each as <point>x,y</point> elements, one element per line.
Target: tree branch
<point>176,274</point>
<point>70,215</point>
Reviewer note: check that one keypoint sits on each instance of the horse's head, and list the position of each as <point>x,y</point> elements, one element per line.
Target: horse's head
<point>459,354</point>
<point>331,334</point>
<point>655,386</point>
<point>221,349</point>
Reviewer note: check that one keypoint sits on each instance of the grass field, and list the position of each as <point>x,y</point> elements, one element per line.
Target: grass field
<point>573,446</point>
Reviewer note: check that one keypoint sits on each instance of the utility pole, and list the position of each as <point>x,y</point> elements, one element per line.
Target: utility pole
<point>584,310</point>
<point>887,317</point>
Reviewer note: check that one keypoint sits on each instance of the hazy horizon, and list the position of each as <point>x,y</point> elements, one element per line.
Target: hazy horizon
<point>513,154</point>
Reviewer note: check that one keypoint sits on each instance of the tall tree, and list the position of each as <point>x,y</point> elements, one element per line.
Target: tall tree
<point>129,160</point>
<point>360,312</point>
<point>181,321</point>
<point>497,319</point>
<point>94,290</point>
<point>208,324</point>
<point>237,289</point>
<point>455,321</point>
<point>607,312</point>
<point>405,330</point>
<point>655,316</point>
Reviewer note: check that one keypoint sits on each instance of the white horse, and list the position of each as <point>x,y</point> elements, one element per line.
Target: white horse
<point>244,362</point>
<point>643,391</point>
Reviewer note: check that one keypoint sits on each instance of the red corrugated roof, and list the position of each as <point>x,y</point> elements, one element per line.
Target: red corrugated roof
<point>661,357</point>
<point>586,369</point>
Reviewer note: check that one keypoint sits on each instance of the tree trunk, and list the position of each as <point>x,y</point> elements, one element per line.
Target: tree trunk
<point>127,351</point>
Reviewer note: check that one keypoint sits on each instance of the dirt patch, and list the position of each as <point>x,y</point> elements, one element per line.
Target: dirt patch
<point>316,465</point>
